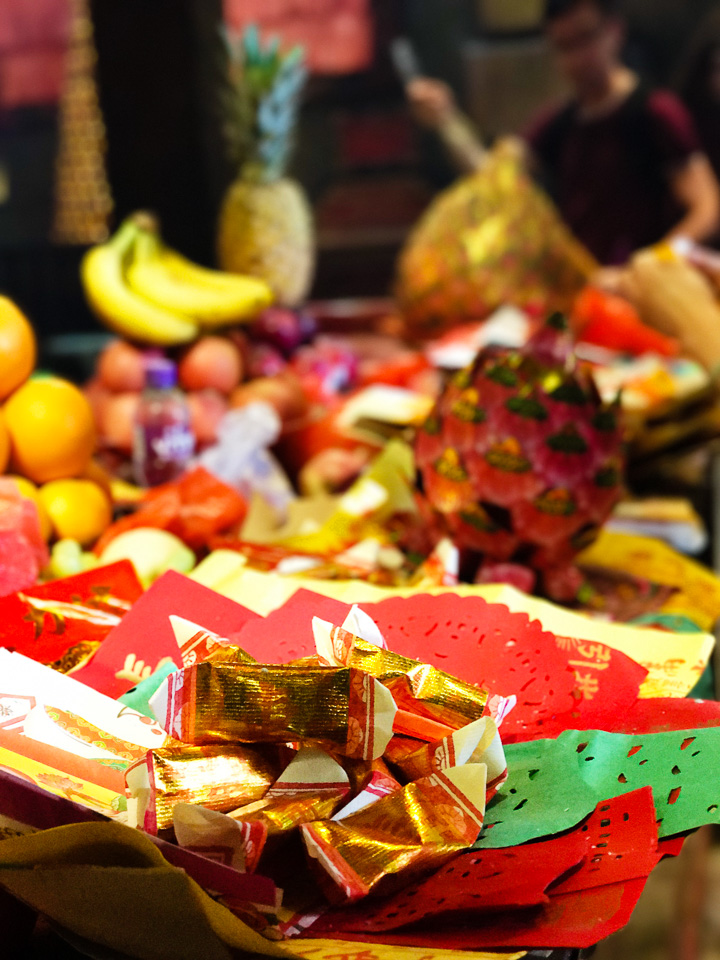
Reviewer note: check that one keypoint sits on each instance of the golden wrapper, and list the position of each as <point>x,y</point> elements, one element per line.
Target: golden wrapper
<point>401,747</point>
<point>478,742</point>
<point>219,777</point>
<point>377,784</point>
<point>229,653</point>
<point>282,812</point>
<point>359,771</point>
<point>340,706</point>
<point>197,645</point>
<point>312,787</point>
<point>391,842</point>
<point>415,686</point>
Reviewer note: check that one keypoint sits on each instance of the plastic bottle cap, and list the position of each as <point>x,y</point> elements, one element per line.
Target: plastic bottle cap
<point>160,373</point>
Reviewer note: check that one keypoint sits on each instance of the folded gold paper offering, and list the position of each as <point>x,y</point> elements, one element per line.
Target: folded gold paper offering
<point>328,725</point>
<point>359,771</point>
<point>377,784</point>
<point>219,837</point>
<point>215,776</point>
<point>342,707</point>
<point>416,687</point>
<point>478,742</point>
<point>198,644</point>
<point>312,787</point>
<point>401,747</point>
<point>389,843</point>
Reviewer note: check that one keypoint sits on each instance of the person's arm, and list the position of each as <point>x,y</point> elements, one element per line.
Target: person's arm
<point>690,176</point>
<point>696,189</point>
<point>433,105</point>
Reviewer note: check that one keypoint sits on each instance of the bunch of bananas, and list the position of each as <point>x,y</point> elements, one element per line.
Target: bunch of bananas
<point>148,293</point>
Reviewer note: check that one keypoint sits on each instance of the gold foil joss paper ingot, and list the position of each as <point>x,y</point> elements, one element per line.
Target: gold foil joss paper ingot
<point>392,841</point>
<point>478,742</point>
<point>312,787</point>
<point>218,777</point>
<point>344,708</point>
<point>416,687</point>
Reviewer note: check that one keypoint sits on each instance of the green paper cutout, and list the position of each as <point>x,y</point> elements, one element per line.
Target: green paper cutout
<point>553,784</point>
<point>138,697</point>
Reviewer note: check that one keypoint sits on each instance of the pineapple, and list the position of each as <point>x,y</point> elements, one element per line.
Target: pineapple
<point>265,227</point>
<point>523,459</point>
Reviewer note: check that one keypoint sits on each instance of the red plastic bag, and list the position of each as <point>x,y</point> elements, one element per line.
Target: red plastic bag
<point>195,508</point>
<point>611,321</point>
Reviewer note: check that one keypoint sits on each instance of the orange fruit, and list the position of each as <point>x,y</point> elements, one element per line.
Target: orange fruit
<point>17,347</point>
<point>51,428</point>
<point>4,444</point>
<point>78,509</point>
<point>28,489</point>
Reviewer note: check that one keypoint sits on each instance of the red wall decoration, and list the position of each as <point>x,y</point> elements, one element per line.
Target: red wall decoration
<point>337,34</point>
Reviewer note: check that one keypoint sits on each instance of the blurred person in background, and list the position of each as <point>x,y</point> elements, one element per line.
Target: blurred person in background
<point>623,162</point>
<point>698,84</point>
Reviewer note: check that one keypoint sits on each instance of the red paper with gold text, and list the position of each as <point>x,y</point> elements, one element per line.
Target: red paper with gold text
<point>146,635</point>
<point>45,622</point>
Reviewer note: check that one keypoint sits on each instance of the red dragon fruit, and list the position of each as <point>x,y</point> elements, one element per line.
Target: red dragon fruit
<point>523,458</point>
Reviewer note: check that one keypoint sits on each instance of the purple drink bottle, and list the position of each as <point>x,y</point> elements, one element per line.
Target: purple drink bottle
<point>163,441</point>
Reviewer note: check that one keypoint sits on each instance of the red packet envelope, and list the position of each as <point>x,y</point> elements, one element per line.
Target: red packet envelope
<point>286,634</point>
<point>66,620</point>
<point>144,639</point>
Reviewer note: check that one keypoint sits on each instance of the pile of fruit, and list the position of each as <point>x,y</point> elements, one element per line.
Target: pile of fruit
<point>50,488</point>
<point>232,345</point>
<point>209,371</point>
<point>520,461</point>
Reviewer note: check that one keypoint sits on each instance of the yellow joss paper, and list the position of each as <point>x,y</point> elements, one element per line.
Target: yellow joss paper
<point>697,590</point>
<point>334,949</point>
<point>96,796</point>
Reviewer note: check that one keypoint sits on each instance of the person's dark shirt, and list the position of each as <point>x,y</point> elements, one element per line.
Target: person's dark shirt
<point>610,176</point>
<point>707,122</point>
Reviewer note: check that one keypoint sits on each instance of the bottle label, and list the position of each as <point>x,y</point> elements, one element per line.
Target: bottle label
<point>162,451</point>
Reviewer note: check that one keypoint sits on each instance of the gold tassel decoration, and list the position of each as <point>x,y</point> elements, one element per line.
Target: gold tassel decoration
<point>83,202</point>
